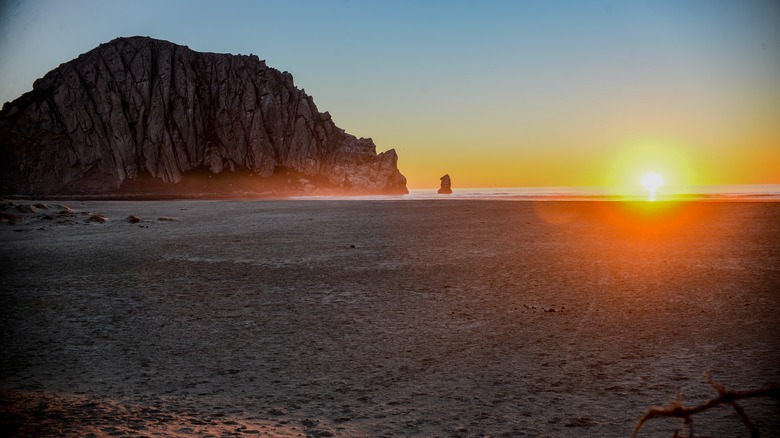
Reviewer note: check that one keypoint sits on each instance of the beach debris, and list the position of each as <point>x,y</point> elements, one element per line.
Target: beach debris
<point>725,397</point>
<point>59,214</point>
<point>545,309</point>
<point>446,185</point>
<point>26,208</point>
<point>581,422</point>
<point>309,422</point>
<point>277,411</point>
<point>62,208</point>
<point>97,217</point>
<point>8,218</point>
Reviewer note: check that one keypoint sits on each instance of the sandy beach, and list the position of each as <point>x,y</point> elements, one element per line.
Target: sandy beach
<point>385,318</point>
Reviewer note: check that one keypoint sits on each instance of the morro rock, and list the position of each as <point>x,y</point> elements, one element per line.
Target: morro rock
<point>138,114</point>
<point>446,185</point>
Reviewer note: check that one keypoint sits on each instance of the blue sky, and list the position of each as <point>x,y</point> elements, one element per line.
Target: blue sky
<point>495,93</point>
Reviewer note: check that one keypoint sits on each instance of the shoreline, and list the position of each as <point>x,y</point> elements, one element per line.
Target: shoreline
<point>735,193</point>
<point>405,198</point>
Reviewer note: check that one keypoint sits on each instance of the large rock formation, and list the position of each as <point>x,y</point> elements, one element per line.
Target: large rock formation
<point>137,113</point>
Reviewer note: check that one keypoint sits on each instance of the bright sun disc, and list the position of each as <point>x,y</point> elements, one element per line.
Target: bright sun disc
<point>651,181</point>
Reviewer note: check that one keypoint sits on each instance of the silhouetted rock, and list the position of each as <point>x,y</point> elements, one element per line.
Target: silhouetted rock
<point>137,112</point>
<point>446,185</point>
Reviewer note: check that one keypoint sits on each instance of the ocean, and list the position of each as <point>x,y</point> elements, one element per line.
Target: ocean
<point>742,192</point>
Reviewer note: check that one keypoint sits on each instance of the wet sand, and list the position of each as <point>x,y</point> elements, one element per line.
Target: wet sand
<point>386,318</point>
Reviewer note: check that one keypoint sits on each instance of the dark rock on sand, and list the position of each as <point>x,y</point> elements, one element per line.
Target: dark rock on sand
<point>95,217</point>
<point>63,209</point>
<point>133,219</point>
<point>26,208</point>
<point>446,185</point>
<point>137,112</point>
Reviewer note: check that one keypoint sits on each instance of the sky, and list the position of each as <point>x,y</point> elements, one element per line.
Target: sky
<point>494,93</point>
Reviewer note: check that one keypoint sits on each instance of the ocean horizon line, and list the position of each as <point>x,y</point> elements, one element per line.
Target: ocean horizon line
<point>734,192</point>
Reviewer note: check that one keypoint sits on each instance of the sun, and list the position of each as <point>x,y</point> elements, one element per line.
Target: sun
<point>632,167</point>
<point>652,181</point>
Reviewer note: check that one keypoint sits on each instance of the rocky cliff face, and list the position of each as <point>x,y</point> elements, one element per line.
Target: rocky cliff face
<point>138,109</point>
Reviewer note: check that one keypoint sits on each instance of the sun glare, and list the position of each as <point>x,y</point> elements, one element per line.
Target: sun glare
<point>652,181</point>
<point>653,167</point>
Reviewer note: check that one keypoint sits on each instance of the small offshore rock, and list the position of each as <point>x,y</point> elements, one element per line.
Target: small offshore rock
<point>133,219</point>
<point>446,185</point>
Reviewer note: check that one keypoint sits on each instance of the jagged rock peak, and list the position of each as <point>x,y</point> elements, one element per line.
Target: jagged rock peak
<point>140,109</point>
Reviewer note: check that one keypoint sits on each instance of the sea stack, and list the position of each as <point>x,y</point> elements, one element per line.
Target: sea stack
<point>137,114</point>
<point>446,185</point>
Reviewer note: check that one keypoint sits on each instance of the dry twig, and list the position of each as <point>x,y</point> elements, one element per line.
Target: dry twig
<point>676,408</point>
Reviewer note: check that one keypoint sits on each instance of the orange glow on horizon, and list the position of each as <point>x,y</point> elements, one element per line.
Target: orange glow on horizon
<point>619,168</point>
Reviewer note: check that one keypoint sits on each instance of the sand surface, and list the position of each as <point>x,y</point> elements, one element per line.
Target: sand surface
<point>386,318</point>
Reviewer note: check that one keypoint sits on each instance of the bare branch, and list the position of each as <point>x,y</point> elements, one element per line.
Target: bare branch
<point>676,409</point>
<point>754,433</point>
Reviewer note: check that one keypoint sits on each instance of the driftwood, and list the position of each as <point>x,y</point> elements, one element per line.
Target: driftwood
<point>676,408</point>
